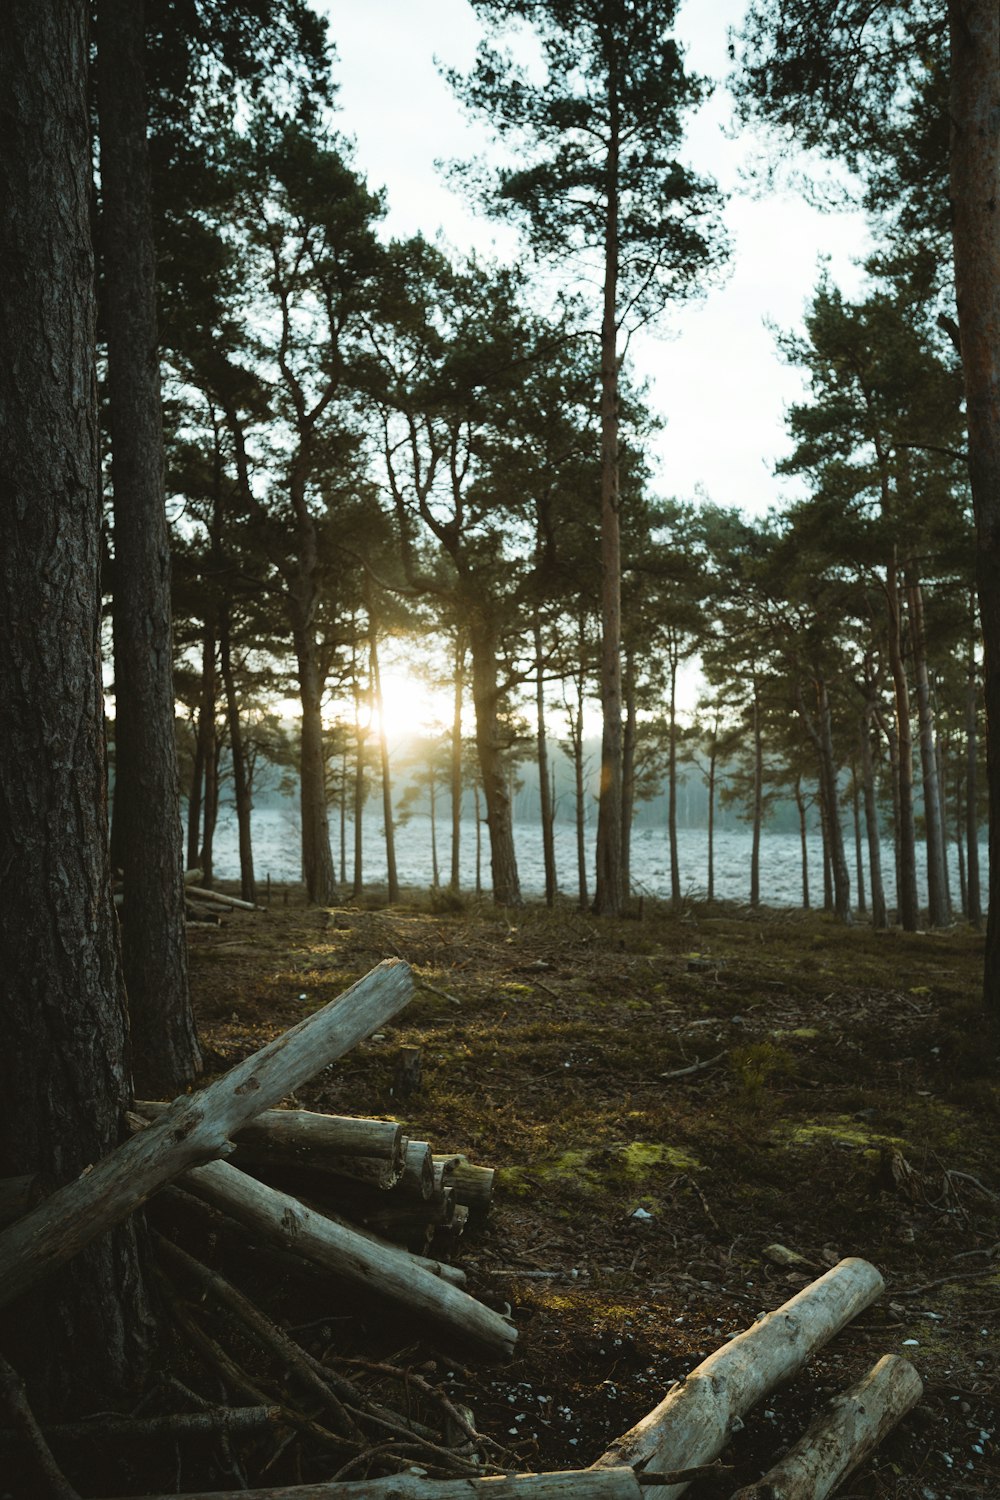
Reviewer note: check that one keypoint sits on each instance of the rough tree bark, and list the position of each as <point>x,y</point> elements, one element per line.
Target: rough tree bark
<point>975,189</point>
<point>165,1045</point>
<point>64,1078</point>
<point>489,744</point>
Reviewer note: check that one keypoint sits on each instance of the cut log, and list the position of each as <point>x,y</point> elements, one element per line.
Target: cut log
<point>693,1422</point>
<point>472,1185</point>
<point>193,1130</point>
<point>408,1073</point>
<point>844,1433</point>
<point>417,1180</point>
<point>369,1151</point>
<point>218,896</point>
<point>383,1270</point>
<point>580,1484</point>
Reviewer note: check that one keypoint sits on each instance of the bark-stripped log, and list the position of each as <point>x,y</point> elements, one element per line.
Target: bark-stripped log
<point>693,1422</point>
<point>383,1270</point>
<point>195,1129</point>
<point>220,898</point>
<point>368,1151</point>
<point>845,1432</point>
<point>581,1484</point>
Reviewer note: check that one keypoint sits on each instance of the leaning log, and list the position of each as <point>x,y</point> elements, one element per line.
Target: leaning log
<point>385,1271</point>
<point>580,1484</point>
<point>367,1151</point>
<point>693,1422</point>
<point>842,1435</point>
<point>195,1129</point>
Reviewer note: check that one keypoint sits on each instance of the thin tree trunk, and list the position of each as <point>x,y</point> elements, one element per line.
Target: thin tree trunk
<point>937,895</point>
<point>545,792</point>
<point>383,749</point>
<point>64,1076</point>
<point>800,803</point>
<point>360,791</point>
<point>879,915</point>
<point>241,780</point>
<point>209,750</point>
<point>194,798</point>
<point>712,763</point>
<point>343,817</point>
<point>489,744</point>
<point>963,881</point>
<point>317,859</point>
<point>479,840</point>
<point>859,863</point>
<point>974,908</point>
<point>154,953</point>
<point>456,763</point>
<point>675,864</point>
<point>758,798</point>
<point>435,868</point>
<point>974,161</point>
<point>827,857</point>
<point>629,732</point>
<point>906,857</point>
<point>609,897</point>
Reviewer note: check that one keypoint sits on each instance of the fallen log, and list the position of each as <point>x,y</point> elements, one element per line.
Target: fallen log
<point>693,1422</point>
<point>195,1129</point>
<point>579,1484</point>
<point>383,1270</point>
<point>218,896</point>
<point>214,1419</point>
<point>842,1435</point>
<point>368,1151</point>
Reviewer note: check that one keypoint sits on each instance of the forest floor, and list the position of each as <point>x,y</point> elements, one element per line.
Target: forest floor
<point>852,1107</point>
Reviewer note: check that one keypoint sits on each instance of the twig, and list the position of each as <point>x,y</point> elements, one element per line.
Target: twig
<point>53,1484</point>
<point>914,1291</point>
<point>424,984</point>
<point>698,1067</point>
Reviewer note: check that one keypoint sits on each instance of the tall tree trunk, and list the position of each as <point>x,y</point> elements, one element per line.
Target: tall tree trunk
<point>456,763</point>
<point>383,750</point>
<point>209,743</point>
<point>800,803</point>
<point>872,832</point>
<point>974,908</point>
<point>317,858</point>
<point>906,842</point>
<point>492,767</point>
<point>975,191</point>
<point>195,796</point>
<point>859,862</point>
<point>360,792</point>
<point>713,759</point>
<point>629,734</point>
<point>241,777</point>
<point>479,840</point>
<point>166,1058</point>
<point>937,879</point>
<point>963,879</point>
<point>609,896</point>
<point>827,857</point>
<point>675,863</point>
<point>343,817</point>
<point>545,791</point>
<point>435,868</point>
<point>818,726</point>
<point>758,797</point>
<point>64,1073</point>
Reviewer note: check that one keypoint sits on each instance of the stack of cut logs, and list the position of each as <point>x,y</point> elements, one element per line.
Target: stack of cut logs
<point>363,1171</point>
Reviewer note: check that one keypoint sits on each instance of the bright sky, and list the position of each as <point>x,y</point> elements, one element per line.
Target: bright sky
<point>715,373</point>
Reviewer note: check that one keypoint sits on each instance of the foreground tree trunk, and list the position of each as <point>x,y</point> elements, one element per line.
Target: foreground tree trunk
<point>975,191</point>
<point>64,1079</point>
<point>166,1056</point>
